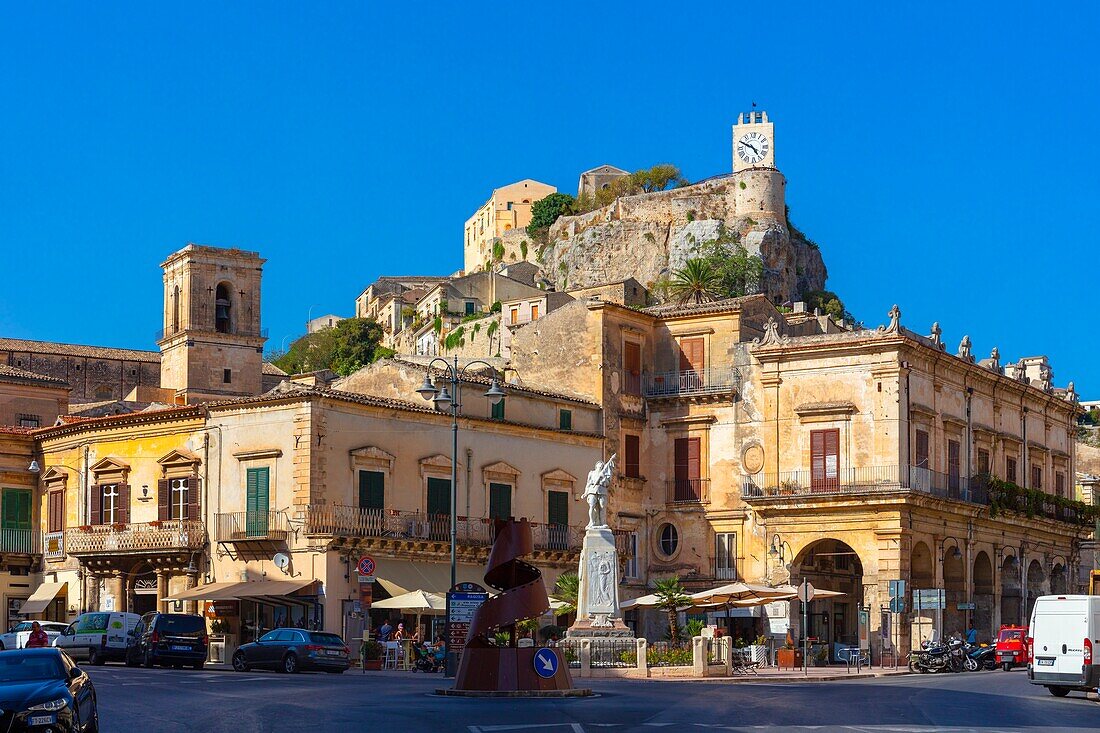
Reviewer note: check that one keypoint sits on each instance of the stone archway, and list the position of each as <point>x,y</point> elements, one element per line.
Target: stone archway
<point>1036,585</point>
<point>1011,592</point>
<point>830,564</point>
<point>1058,579</point>
<point>141,589</point>
<point>920,567</point>
<point>954,583</point>
<point>982,617</point>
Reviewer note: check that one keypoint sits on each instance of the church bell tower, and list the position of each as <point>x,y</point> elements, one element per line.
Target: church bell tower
<point>212,345</point>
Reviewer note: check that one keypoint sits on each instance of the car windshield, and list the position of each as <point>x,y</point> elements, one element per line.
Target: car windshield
<point>24,667</point>
<point>47,626</point>
<point>25,626</point>
<point>1009,634</point>
<point>326,639</point>
<point>181,625</point>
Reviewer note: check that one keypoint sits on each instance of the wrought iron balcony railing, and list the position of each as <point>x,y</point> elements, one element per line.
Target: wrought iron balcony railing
<point>19,541</point>
<point>866,479</point>
<point>251,526</point>
<point>688,490</point>
<point>136,537</point>
<point>692,382</point>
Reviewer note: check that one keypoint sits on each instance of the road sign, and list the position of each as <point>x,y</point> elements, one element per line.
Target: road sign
<point>897,604</point>
<point>897,588</point>
<point>965,606</point>
<point>366,565</point>
<point>461,607</point>
<point>546,663</point>
<point>929,599</point>
<point>805,592</point>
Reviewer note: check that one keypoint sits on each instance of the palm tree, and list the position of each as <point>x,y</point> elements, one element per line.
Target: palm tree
<point>671,596</point>
<point>565,590</point>
<point>696,282</point>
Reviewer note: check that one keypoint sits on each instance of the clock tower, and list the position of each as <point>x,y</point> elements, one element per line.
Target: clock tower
<point>753,141</point>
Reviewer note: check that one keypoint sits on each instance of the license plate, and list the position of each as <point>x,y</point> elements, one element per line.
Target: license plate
<point>1045,662</point>
<point>41,720</point>
<point>333,652</point>
<point>177,648</point>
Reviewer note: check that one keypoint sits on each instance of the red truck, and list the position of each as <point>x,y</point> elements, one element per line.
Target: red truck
<point>1012,647</point>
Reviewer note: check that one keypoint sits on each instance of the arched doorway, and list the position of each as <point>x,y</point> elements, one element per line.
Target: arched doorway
<point>1011,591</point>
<point>983,596</point>
<point>830,565</point>
<point>1058,579</point>
<point>143,589</point>
<point>920,567</point>
<point>1036,579</point>
<point>954,583</point>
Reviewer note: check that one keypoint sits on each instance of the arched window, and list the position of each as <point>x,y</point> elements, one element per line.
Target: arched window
<point>222,308</point>
<point>176,309</point>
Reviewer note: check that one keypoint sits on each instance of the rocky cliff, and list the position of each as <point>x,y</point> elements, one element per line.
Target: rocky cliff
<point>650,235</point>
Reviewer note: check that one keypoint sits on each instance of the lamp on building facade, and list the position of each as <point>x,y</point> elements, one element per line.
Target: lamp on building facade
<point>445,401</point>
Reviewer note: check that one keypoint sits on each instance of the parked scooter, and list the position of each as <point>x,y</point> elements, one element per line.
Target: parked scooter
<point>935,657</point>
<point>979,656</point>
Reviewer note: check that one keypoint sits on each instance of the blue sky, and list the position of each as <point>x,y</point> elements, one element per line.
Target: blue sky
<point>944,156</point>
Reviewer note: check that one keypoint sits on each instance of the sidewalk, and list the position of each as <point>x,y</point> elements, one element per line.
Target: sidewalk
<point>813,674</point>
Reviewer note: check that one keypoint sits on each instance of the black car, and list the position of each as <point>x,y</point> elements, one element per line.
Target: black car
<point>294,650</point>
<point>172,639</point>
<point>42,689</point>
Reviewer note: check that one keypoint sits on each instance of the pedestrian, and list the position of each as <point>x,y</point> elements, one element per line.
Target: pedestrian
<point>971,635</point>
<point>400,634</point>
<point>386,632</point>
<point>38,637</point>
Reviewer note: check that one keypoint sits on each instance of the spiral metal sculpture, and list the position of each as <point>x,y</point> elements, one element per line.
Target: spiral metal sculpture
<point>522,595</point>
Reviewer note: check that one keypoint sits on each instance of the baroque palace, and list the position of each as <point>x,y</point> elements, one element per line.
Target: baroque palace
<point>757,440</point>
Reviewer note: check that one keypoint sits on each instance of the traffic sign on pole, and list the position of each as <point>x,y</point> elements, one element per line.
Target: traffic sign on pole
<point>545,663</point>
<point>805,592</point>
<point>366,565</point>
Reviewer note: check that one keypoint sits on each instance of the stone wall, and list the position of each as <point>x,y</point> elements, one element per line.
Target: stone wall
<point>92,378</point>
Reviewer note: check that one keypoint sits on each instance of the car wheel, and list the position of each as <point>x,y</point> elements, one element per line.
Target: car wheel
<point>95,658</point>
<point>238,662</point>
<point>1006,666</point>
<point>290,664</point>
<point>93,724</point>
<point>146,660</point>
<point>1059,691</point>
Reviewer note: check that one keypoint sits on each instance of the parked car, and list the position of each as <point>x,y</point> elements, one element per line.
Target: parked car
<point>167,639</point>
<point>98,636</point>
<point>1012,647</point>
<point>43,690</point>
<point>1060,643</point>
<point>293,650</point>
<point>17,637</point>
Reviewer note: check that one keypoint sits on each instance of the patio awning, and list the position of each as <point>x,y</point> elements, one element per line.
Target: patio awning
<point>250,590</point>
<point>404,576</point>
<point>41,598</point>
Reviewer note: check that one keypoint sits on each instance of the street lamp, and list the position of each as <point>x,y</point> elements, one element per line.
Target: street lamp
<point>443,401</point>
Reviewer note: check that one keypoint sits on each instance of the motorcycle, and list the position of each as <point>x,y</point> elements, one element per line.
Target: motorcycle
<point>979,656</point>
<point>935,657</point>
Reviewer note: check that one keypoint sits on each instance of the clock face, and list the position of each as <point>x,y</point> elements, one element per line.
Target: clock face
<point>752,147</point>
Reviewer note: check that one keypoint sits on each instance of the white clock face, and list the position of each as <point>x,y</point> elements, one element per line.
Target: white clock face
<point>752,147</point>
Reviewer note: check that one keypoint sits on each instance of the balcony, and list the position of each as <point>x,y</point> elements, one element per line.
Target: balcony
<point>266,526</point>
<point>143,537</point>
<point>19,541</point>
<point>692,383</point>
<point>688,490</point>
<point>336,520</point>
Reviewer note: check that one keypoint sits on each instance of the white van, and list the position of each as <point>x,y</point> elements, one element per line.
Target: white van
<point>1064,634</point>
<point>98,636</point>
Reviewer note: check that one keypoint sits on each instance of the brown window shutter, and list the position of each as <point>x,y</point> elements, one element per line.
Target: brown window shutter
<point>680,463</point>
<point>123,504</point>
<point>97,504</point>
<point>693,459</point>
<point>193,506</point>
<point>922,449</point>
<point>56,511</point>
<point>164,496</point>
<point>632,467</point>
<point>691,355</point>
<point>817,455</point>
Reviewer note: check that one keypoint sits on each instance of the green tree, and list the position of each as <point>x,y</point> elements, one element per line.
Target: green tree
<point>658,178</point>
<point>829,303</point>
<point>546,211</point>
<point>695,282</point>
<point>739,273</point>
<point>345,347</point>
<point>671,597</point>
<point>565,590</point>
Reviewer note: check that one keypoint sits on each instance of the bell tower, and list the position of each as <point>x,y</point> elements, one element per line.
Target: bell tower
<point>211,345</point>
<point>753,141</point>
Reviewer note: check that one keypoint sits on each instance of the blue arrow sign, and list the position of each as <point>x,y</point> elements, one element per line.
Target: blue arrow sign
<point>546,663</point>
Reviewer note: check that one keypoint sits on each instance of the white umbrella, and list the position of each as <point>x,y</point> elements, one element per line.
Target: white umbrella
<point>819,593</point>
<point>734,592</point>
<point>418,602</point>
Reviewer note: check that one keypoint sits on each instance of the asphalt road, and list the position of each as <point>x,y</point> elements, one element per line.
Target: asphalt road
<point>134,700</point>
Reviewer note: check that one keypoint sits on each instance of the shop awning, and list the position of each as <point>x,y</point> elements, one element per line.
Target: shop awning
<point>41,598</point>
<point>404,576</point>
<point>253,589</point>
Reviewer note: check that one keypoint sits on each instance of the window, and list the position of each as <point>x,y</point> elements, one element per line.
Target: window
<point>439,496</point>
<point>632,368</point>
<point>632,467</point>
<point>983,461</point>
<point>108,513</point>
<point>257,500</point>
<point>1036,477</point>
<point>227,376</point>
<point>498,410</point>
<point>565,419</point>
<point>534,311</point>
<point>469,307</point>
<point>178,495</point>
<point>691,355</point>
<point>920,453</point>
<point>1060,484</point>
<point>513,315</point>
<point>668,539</point>
<point>29,421</point>
<point>824,460</point>
<point>372,490</point>
<point>631,569</point>
<point>725,556</point>
<point>500,501</point>
<point>15,519</point>
<point>509,206</point>
<point>222,308</point>
<point>953,467</point>
<point>56,511</point>
<point>686,485</point>
<point>1010,469</point>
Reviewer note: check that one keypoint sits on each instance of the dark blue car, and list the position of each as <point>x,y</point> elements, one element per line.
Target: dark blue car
<point>42,689</point>
<point>169,639</point>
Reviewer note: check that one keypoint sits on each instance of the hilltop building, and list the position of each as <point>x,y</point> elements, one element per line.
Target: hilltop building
<point>508,209</point>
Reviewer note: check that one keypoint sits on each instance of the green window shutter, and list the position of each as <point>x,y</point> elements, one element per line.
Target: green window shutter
<point>498,410</point>
<point>372,494</point>
<point>557,507</point>
<point>439,496</point>
<point>500,501</point>
<point>16,510</point>
<point>565,419</point>
<point>258,489</point>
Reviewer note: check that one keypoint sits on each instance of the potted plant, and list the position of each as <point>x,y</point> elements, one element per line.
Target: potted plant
<point>372,655</point>
<point>789,656</point>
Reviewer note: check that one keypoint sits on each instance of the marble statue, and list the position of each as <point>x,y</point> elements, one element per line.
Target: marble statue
<point>596,490</point>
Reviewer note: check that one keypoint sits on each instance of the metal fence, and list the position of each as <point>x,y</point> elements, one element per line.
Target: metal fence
<point>866,479</point>
<point>667,654</point>
<point>688,490</point>
<point>608,653</point>
<point>690,382</point>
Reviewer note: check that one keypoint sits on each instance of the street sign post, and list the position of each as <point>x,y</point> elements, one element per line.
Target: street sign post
<point>546,663</point>
<point>805,594</point>
<point>366,565</point>
<point>463,600</point>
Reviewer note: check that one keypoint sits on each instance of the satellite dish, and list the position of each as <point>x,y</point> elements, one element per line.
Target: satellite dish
<point>281,560</point>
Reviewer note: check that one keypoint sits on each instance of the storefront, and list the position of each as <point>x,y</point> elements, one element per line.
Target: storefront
<point>248,610</point>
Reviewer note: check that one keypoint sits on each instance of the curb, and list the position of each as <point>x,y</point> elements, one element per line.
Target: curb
<point>451,692</point>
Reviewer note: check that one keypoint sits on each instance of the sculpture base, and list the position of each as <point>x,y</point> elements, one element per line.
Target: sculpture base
<point>583,629</point>
<point>508,669</point>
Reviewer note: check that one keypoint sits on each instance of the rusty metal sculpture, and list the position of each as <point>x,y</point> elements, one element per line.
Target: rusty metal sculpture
<point>486,665</point>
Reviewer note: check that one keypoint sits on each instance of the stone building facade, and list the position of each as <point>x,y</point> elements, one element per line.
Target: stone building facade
<point>507,210</point>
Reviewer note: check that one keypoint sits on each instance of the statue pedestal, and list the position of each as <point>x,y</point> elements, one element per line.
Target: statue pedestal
<point>598,614</point>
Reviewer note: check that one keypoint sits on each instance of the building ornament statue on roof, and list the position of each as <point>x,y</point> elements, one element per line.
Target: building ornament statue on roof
<point>995,359</point>
<point>771,334</point>
<point>1071,394</point>
<point>937,335</point>
<point>964,350</point>
<point>895,321</point>
<point>1017,371</point>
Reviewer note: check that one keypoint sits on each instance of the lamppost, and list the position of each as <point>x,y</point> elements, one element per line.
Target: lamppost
<point>443,401</point>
